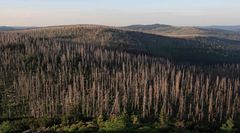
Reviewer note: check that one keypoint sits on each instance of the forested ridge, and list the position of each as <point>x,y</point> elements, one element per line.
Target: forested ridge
<point>91,71</point>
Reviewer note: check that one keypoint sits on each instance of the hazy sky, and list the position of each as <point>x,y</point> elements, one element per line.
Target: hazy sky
<point>119,12</point>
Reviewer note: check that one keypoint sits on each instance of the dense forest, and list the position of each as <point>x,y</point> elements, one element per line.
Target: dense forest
<point>93,72</point>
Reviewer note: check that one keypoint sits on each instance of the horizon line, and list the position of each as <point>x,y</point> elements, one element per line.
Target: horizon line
<point>39,26</point>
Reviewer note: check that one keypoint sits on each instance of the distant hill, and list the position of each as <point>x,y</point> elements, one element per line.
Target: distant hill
<point>149,27</point>
<point>185,32</point>
<point>199,49</point>
<point>10,28</point>
<point>6,28</point>
<point>230,28</point>
<point>162,42</point>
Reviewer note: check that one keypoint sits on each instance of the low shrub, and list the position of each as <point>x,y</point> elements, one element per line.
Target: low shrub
<point>115,123</point>
<point>135,120</point>
<point>227,127</point>
<point>46,122</point>
<point>100,121</point>
<point>6,127</point>
<point>20,125</point>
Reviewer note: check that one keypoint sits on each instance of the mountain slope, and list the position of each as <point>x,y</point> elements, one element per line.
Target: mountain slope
<point>84,71</point>
<point>194,50</point>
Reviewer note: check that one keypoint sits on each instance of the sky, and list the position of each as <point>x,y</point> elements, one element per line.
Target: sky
<point>119,12</point>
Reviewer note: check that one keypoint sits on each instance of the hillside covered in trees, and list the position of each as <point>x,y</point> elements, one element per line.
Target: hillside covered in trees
<point>222,32</point>
<point>66,74</point>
